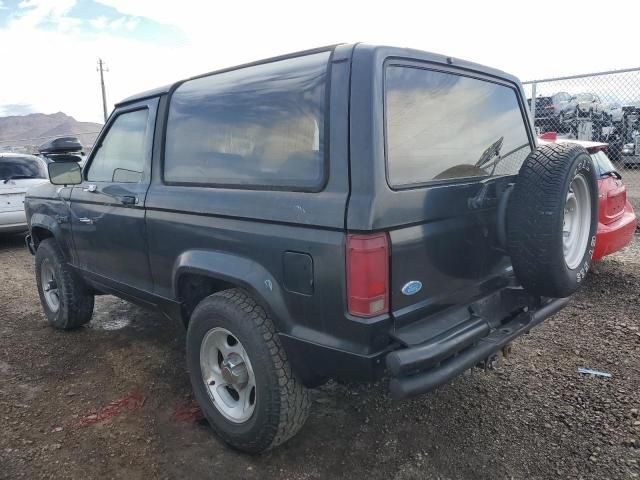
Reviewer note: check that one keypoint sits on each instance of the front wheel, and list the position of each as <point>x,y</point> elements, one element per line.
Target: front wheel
<point>65,298</point>
<point>240,373</point>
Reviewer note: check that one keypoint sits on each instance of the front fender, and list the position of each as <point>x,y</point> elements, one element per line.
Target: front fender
<point>240,271</point>
<point>46,222</point>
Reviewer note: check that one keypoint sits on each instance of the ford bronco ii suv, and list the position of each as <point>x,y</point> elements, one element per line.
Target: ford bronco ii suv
<point>347,212</point>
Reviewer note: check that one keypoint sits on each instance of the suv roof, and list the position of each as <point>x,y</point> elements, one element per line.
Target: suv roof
<point>167,88</point>
<point>384,51</point>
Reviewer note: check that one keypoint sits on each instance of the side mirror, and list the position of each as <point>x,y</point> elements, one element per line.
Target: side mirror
<point>65,173</point>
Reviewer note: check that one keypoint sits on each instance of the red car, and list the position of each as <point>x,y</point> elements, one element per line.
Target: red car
<point>616,218</point>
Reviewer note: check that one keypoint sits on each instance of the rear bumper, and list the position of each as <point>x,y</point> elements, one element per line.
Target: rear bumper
<point>427,352</point>
<point>313,363</point>
<point>424,367</point>
<point>615,236</point>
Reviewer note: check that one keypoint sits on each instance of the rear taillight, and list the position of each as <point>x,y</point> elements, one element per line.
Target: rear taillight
<point>368,274</point>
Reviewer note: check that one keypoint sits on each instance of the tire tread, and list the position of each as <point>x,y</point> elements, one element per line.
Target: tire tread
<point>293,405</point>
<point>76,304</point>
<point>533,216</point>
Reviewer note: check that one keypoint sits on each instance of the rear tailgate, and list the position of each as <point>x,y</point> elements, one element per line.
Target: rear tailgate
<point>613,199</point>
<point>453,142</point>
<point>456,259</point>
<point>11,199</point>
<point>13,192</point>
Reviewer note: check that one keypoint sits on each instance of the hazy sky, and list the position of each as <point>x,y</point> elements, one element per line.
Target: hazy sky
<point>49,48</point>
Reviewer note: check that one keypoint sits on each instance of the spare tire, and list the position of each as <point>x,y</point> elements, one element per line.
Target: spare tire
<point>552,218</point>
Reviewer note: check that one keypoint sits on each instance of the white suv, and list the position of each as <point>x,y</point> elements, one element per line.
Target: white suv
<point>18,172</point>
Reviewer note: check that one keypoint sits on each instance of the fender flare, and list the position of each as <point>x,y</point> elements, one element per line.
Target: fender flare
<point>40,220</point>
<point>240,271</point>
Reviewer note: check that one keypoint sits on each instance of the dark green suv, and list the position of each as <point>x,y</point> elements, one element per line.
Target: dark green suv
<point>336,213</point>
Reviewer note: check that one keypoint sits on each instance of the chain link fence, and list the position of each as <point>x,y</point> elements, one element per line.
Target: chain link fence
<point>601,107</point>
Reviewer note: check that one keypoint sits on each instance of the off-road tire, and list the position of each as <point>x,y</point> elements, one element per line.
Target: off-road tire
<point>76,300</point>
<point>535,217</point>
<point>282,402</point>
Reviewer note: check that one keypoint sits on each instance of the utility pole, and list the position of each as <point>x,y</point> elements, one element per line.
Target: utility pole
<point>102,68</point>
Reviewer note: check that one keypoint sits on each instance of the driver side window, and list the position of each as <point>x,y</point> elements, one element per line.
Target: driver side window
<point>121,155</point>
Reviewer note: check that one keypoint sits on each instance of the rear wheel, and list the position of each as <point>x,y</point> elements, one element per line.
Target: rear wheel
<point>241,375</point>
<point>65,298</point>
<point>552,219</point>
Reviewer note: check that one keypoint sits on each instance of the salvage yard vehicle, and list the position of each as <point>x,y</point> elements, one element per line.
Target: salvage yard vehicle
<point>18,172</point>
<point>551,110</point>
<point>616,219</point>
<point>335,213</point>
<point>630,156</point>
<point>586,105</point>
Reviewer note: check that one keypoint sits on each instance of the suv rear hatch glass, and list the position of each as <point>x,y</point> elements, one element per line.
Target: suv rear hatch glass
<point>451,136</point>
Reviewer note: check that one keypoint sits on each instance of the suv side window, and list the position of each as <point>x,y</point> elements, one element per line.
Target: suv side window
<point>121,154</point>
<point>260,126</point>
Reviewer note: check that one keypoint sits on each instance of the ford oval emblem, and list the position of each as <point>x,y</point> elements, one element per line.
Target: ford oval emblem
<point>412,287</point>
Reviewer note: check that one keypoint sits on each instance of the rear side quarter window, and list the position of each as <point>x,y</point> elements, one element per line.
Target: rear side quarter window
<point>442,126</point>
<point>260,126</point>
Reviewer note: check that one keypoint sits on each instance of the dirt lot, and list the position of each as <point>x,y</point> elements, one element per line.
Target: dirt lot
<point>113,400</point>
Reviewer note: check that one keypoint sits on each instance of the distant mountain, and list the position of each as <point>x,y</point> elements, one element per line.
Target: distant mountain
<point>27,132</point>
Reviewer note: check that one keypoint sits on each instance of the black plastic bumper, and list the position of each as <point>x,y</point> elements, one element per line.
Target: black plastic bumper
<point>421,368</point>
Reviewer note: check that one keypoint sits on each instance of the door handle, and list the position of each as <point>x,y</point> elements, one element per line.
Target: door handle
<point>128,200</point>
<point>90,188</point>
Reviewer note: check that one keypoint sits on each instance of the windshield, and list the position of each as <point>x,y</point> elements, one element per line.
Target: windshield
<point>442,126</point>
<point>21,167</point>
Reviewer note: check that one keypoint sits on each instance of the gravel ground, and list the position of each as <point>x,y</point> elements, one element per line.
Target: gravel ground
<point>113,400</point>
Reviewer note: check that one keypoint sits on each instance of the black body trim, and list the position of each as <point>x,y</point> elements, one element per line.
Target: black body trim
<point>424,381</point>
